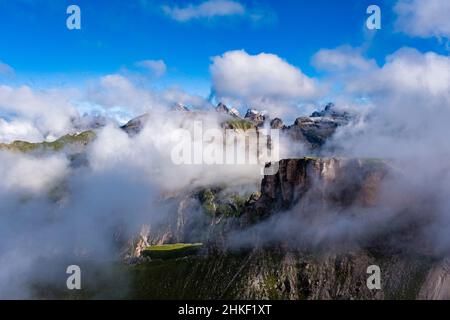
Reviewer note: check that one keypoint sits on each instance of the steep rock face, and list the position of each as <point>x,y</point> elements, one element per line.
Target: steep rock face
<point>202,216</point>
<point>276,274</point>
<point>290,272</point>
<point>221,108</point>
<point>277,123</point>
<point>279,271</point>
<point>437,282</point>
<point>338,181</point>
<point>182,222</point>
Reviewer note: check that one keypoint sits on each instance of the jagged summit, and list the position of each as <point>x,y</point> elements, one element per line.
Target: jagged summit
<point>235,112</point>
<point>251,115</point>
<point>277,123</point>
<point>134,126</point>
<point>330,111</point>
<point>255,116</point>
<point>222,108</point>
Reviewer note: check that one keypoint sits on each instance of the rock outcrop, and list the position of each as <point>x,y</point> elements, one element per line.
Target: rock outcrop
<point>134,126</point>
<point>258,118</point>
<point>277,123</point>
<point>335,181</point>
<point>221,108</point>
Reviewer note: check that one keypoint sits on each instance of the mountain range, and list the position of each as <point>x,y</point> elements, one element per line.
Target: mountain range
<point>304,234</point>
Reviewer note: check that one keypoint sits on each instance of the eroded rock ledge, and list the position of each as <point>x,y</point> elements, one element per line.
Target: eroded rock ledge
<point>337,181</point>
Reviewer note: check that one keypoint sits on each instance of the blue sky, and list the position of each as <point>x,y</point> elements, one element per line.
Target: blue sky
<point>116,34</point>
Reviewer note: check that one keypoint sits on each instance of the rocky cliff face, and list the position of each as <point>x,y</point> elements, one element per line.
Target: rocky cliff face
<point>279,274</point>
<point>339,182</point>
<point>289,272</point>
<point>184,222</point>
<point>437,283</point>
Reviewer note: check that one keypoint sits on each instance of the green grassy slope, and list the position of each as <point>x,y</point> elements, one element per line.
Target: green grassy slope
<point>82,139</point>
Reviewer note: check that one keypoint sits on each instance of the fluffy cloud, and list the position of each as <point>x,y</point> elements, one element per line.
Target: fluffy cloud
<point>406,73</point>
<point>40,174</point>
<point>207,9</point>
<point>424,18</point>
<point>105,204</point>
<point>406,121</point>
<point>157,67</point>
<point>410,74</point>
<point>18,129</point>
<point>407,102</point>
<point>259,80</point>
<point>342,58</point>
<point>43,114</point>
<point>37,115</point>
<point>117,91</point>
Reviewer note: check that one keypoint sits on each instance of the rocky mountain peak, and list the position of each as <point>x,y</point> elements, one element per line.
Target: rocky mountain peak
<point>222,108</point>
<point>331,111</point>
<point>235,112</point>
<point>255,116</point>
<point>277,123</point>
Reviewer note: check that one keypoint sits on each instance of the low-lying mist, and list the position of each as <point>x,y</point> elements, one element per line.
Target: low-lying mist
<point>57,213</point>
<point>53,214</point>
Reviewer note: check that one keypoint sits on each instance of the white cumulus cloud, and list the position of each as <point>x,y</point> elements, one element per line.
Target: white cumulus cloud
<point>262,81</point>
<point>342,58</point>
<point>207,9</point>
<point>422,18</point>
<point>157,67</point>
<point>36,114</point>
<point>409,74</point>
<point>118,91</point>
